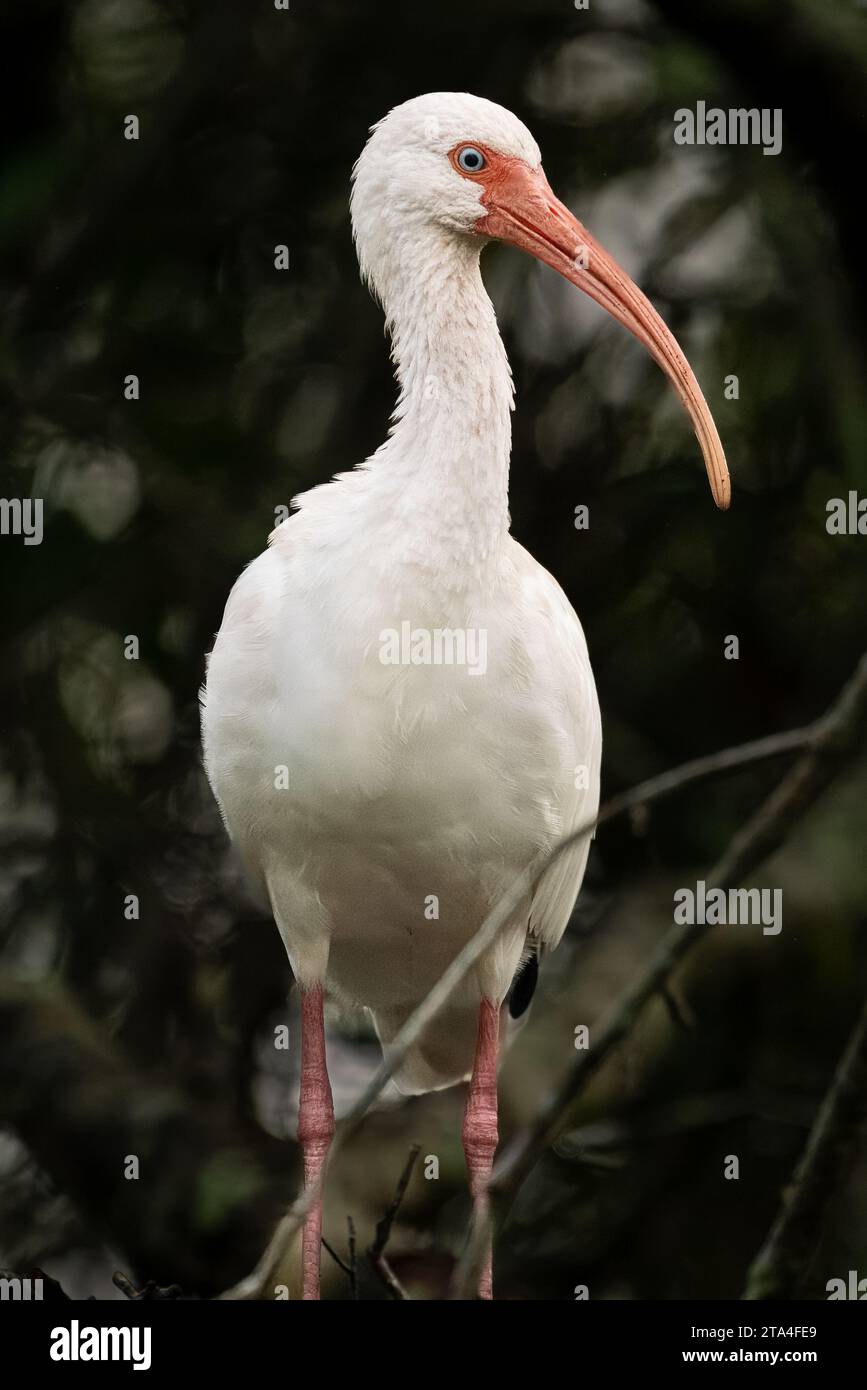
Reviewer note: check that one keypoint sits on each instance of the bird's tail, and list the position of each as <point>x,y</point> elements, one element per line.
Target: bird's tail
<point>443,1055</point>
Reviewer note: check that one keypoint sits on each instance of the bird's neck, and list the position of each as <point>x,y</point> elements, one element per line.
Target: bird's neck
<point>445,465</point>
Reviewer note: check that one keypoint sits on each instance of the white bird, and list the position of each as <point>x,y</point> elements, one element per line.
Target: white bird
<point>399,694</point>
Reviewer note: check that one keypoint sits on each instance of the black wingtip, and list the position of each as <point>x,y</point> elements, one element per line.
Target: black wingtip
<point>524,986</point>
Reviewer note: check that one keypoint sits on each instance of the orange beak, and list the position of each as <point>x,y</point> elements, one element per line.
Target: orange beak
<point>521,209</point>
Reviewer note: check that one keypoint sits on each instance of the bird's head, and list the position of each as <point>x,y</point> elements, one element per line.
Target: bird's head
<point>451,170</point>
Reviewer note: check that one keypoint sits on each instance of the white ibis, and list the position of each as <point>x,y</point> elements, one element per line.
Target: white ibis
<point>399,694</point>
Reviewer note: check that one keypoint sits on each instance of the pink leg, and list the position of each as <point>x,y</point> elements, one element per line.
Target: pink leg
<point>315,1127</point>
<point>480,1123</point>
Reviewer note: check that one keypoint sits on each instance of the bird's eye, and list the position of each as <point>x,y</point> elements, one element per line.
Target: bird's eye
<point>471,160</point>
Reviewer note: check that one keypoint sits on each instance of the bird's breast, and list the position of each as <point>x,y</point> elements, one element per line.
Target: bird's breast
<point>363,712</point>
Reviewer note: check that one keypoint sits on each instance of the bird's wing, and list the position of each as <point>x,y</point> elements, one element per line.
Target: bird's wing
<point>575,710</point>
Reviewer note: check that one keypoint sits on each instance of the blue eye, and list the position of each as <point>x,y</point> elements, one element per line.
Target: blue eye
<point>471,160</point>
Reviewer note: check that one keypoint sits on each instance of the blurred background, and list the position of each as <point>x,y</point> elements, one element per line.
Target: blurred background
<point>153,1034</point>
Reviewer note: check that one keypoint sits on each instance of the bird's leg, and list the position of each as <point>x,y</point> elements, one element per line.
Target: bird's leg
<point>480,1125</point>
<point>315,1127</point>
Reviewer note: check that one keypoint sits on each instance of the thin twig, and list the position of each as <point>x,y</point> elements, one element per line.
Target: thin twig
<point>151,1292</point>
<point>468,1270</point>
<point>353,1258</point>
<point>341,1264</point>
<point>698,769</point>
<point>677,1006</point>
<point>376,1252</point>
<point>779,1267</point>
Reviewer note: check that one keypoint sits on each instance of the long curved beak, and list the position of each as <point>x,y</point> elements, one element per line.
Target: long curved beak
<point>522,209</point>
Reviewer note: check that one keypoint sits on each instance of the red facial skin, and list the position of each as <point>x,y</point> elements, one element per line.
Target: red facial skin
<point>521,208</point>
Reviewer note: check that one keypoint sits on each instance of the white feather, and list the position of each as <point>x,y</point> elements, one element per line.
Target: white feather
<point>409,784</point>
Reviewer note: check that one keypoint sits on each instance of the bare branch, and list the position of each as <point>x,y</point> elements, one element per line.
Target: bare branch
<point>826,744</point>
<point>823,743</point>
<point>151,1292</point>
<point>353,1257</point>
<point>376,1252</point>
<point>698,769</point>
<point>341,1264</point>
<point>677,1006</point>
<point>468,1270</point>
<point>779,1266</point>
